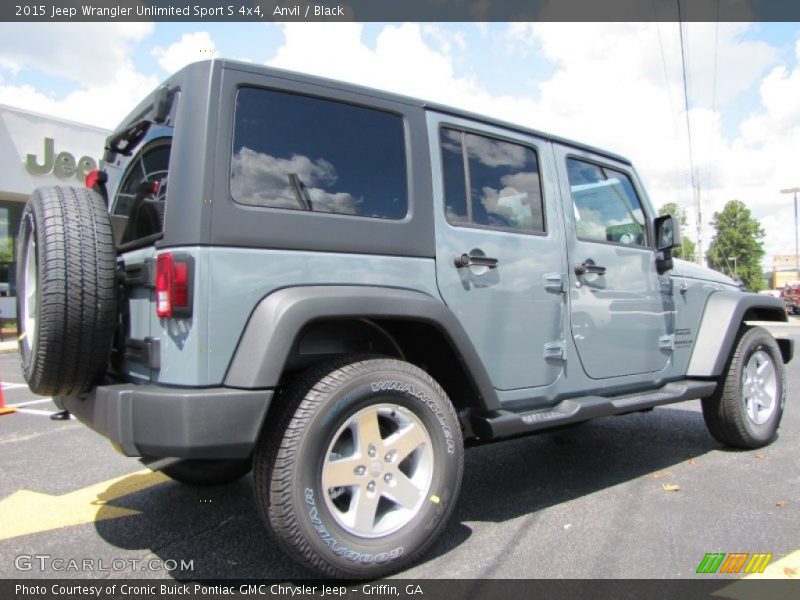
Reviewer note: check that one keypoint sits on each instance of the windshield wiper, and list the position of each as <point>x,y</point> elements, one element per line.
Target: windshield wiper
<point>300,192</point>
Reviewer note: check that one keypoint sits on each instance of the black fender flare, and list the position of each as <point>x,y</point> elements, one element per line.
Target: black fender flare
<point>724,313</point>
<point>279,317</point>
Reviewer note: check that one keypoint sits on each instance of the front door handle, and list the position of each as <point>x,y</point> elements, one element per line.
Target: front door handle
<point>474,260</point>
<point>588,266</point>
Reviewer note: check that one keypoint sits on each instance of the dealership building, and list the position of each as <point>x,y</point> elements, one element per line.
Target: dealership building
<point>36,150</point>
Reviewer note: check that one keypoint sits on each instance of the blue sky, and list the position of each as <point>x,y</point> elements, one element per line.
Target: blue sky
<point>502,66</point>
<point>613,85</point>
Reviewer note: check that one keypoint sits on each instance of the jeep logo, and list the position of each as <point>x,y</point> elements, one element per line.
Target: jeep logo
<point>63,165</point>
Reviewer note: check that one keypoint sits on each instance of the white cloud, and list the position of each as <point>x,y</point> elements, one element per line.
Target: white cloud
<point>779,93</point>
<point>190,48</point>
<point>96,55</point>
<point>260,179</point>
<point>448,41</point>
<point>103,105</point>
<point>89,53</point>
<point>401,61</point>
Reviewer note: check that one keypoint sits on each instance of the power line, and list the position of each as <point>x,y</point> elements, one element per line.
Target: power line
<point>714,93</point>
<point>695,189</point>
<point>685,93</point>
<point>664,65</point>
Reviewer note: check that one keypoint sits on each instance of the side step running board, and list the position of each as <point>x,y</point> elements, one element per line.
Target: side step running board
<point>504,423</point>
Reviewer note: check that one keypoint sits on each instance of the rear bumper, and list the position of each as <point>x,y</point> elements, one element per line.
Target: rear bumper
<point>156,421</point>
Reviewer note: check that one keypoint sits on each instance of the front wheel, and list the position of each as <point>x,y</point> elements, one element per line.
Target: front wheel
<point>362,470</point>
<point>745,410</point>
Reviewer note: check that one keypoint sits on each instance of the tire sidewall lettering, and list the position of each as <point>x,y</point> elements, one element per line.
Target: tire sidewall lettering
<point>336,546</point>
<point>409,390</point>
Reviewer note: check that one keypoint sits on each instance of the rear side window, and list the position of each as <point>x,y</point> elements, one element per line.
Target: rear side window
<point>302,153</point>
<point>490,182</point>
<point>606,206</point>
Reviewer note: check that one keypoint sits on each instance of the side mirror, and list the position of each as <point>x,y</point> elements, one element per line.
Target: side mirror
<point>668,233</point>
<point>668,236</point>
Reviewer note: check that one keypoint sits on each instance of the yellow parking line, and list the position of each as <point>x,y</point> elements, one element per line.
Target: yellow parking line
<point>25,512</point>
<point>786,568</point>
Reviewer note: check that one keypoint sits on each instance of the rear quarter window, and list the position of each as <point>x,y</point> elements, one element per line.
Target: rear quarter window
<point>297,152</point>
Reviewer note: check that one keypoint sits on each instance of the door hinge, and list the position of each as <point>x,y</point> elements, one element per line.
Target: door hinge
<point>665,283</point>
<point>667,342</point>
<point>554,350</point>
<point>554,282</point>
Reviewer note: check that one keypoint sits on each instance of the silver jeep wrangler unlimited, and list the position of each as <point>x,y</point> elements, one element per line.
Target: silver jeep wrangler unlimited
<point>339,287</point>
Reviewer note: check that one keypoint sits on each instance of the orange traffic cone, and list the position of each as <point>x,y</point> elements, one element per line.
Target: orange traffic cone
<point>5,410</point>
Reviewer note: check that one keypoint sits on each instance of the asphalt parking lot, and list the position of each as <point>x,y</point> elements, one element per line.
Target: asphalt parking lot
<point>641,496</point>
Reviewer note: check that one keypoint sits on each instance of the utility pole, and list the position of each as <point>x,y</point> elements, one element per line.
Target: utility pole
<point>698,217</point>
<point>735,269</point>
<point>794,191</point>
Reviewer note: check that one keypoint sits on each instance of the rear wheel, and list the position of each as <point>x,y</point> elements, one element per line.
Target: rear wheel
<point>362,470</point>
<point>66,296</point>
<point>745,410</point>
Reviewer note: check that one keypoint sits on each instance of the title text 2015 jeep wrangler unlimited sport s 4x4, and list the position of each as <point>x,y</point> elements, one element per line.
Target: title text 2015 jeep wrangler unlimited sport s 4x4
<point>339,286</point>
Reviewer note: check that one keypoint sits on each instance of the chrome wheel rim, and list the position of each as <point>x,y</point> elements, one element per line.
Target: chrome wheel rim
<point>30,306</point>
<point>378,470</point>
<point>759,387</point>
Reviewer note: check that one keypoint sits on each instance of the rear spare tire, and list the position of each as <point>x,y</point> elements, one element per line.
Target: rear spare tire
<point>66,296</point>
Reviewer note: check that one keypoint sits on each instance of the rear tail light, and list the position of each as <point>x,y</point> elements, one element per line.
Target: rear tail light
<point>174,281</point>
<point>92,178</point>
<point>96,180</point>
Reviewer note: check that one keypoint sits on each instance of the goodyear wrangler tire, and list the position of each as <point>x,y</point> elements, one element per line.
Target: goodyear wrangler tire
<point>361,471</point>
<point>746,408</point>
<point>66,297</point>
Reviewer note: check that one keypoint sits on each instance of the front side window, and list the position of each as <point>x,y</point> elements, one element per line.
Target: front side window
<point>302,153</point>
<point>605,204</point>
<point>490,182</point>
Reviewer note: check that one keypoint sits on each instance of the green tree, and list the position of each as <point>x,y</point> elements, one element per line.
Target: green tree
<point>6,253</point>
<point>687,250</point>
<point>737,247</point>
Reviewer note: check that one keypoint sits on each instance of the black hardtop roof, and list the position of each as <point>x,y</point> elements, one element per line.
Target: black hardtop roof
<point>376,93</point>
<point>209,66</point>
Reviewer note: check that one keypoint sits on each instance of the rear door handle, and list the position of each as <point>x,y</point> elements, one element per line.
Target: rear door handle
<point>588,266</point>
<point>474,260</point>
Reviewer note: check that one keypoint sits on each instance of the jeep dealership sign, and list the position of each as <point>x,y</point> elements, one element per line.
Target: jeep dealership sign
<point>37,150</point>
<point>62,165</point>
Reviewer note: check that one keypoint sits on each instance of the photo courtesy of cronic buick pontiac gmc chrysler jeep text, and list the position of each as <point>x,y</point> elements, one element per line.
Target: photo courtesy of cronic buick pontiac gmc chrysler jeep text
<point>338,287</point>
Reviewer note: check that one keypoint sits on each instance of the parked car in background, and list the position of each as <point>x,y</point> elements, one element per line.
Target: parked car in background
<point>791,296</point>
